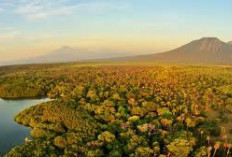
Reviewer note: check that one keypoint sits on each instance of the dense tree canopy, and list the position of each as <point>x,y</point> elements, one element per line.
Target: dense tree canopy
<point>115,111</point>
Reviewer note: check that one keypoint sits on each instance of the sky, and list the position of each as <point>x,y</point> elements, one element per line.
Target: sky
<point>36,27</point>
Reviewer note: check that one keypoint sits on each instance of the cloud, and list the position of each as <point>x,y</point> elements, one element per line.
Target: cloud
<point>40,9</point>
<point>7,29</point>
<point>37,38</point>
<point>43,9</point>
<point>10,35</point>
<point>2,9</point>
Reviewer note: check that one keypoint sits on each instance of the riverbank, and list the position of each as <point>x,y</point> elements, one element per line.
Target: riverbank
<point>12,133</point>
<point>21,98</point>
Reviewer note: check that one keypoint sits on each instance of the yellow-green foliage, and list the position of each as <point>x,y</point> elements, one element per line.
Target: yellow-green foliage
<point>180,148</point>
<point>106,136</point>
<point>117,111</point>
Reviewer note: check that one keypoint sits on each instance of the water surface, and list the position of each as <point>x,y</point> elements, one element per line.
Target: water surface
<point>11,133</point>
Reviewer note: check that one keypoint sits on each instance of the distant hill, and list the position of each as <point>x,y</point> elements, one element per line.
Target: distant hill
<point>69,54</point>
<point>202,51</point>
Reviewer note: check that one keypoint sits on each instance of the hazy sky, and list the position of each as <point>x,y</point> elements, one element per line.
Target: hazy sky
<point>36,27</point>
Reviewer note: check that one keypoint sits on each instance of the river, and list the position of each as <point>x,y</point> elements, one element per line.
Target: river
<point>11,133</point>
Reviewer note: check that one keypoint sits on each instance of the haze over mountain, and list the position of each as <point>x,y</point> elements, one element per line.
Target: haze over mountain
<point>69,54</point>
<point>230,42</point>
<point>207,50</point>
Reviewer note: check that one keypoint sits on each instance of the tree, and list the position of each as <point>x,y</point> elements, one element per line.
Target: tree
<point>180,147</point>
<point>60,142</point>
<point>143,152</point>
<point>216,147</point>
<point>189,123</point>
<point>106,137</point>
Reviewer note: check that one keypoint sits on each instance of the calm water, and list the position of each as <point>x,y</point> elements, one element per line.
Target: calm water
<point>11,133</point>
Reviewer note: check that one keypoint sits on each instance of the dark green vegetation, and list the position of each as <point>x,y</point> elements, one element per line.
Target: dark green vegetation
<point>124,110</point>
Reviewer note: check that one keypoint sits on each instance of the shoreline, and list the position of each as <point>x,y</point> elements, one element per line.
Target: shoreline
<point>22,98</point>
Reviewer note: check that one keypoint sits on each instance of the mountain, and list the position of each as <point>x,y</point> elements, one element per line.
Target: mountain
<point>230,42</point>
<point>69,54</point>
<point>203,51</point>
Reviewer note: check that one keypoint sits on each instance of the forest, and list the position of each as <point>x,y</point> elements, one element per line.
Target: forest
<point>123,110</point>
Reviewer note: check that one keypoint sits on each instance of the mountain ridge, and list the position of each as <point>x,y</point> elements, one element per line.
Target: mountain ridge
<point>207,50</point>
<point>69,54</point>
<point>229,42</point>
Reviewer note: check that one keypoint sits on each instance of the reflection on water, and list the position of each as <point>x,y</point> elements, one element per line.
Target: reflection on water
<point>11,133</point>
